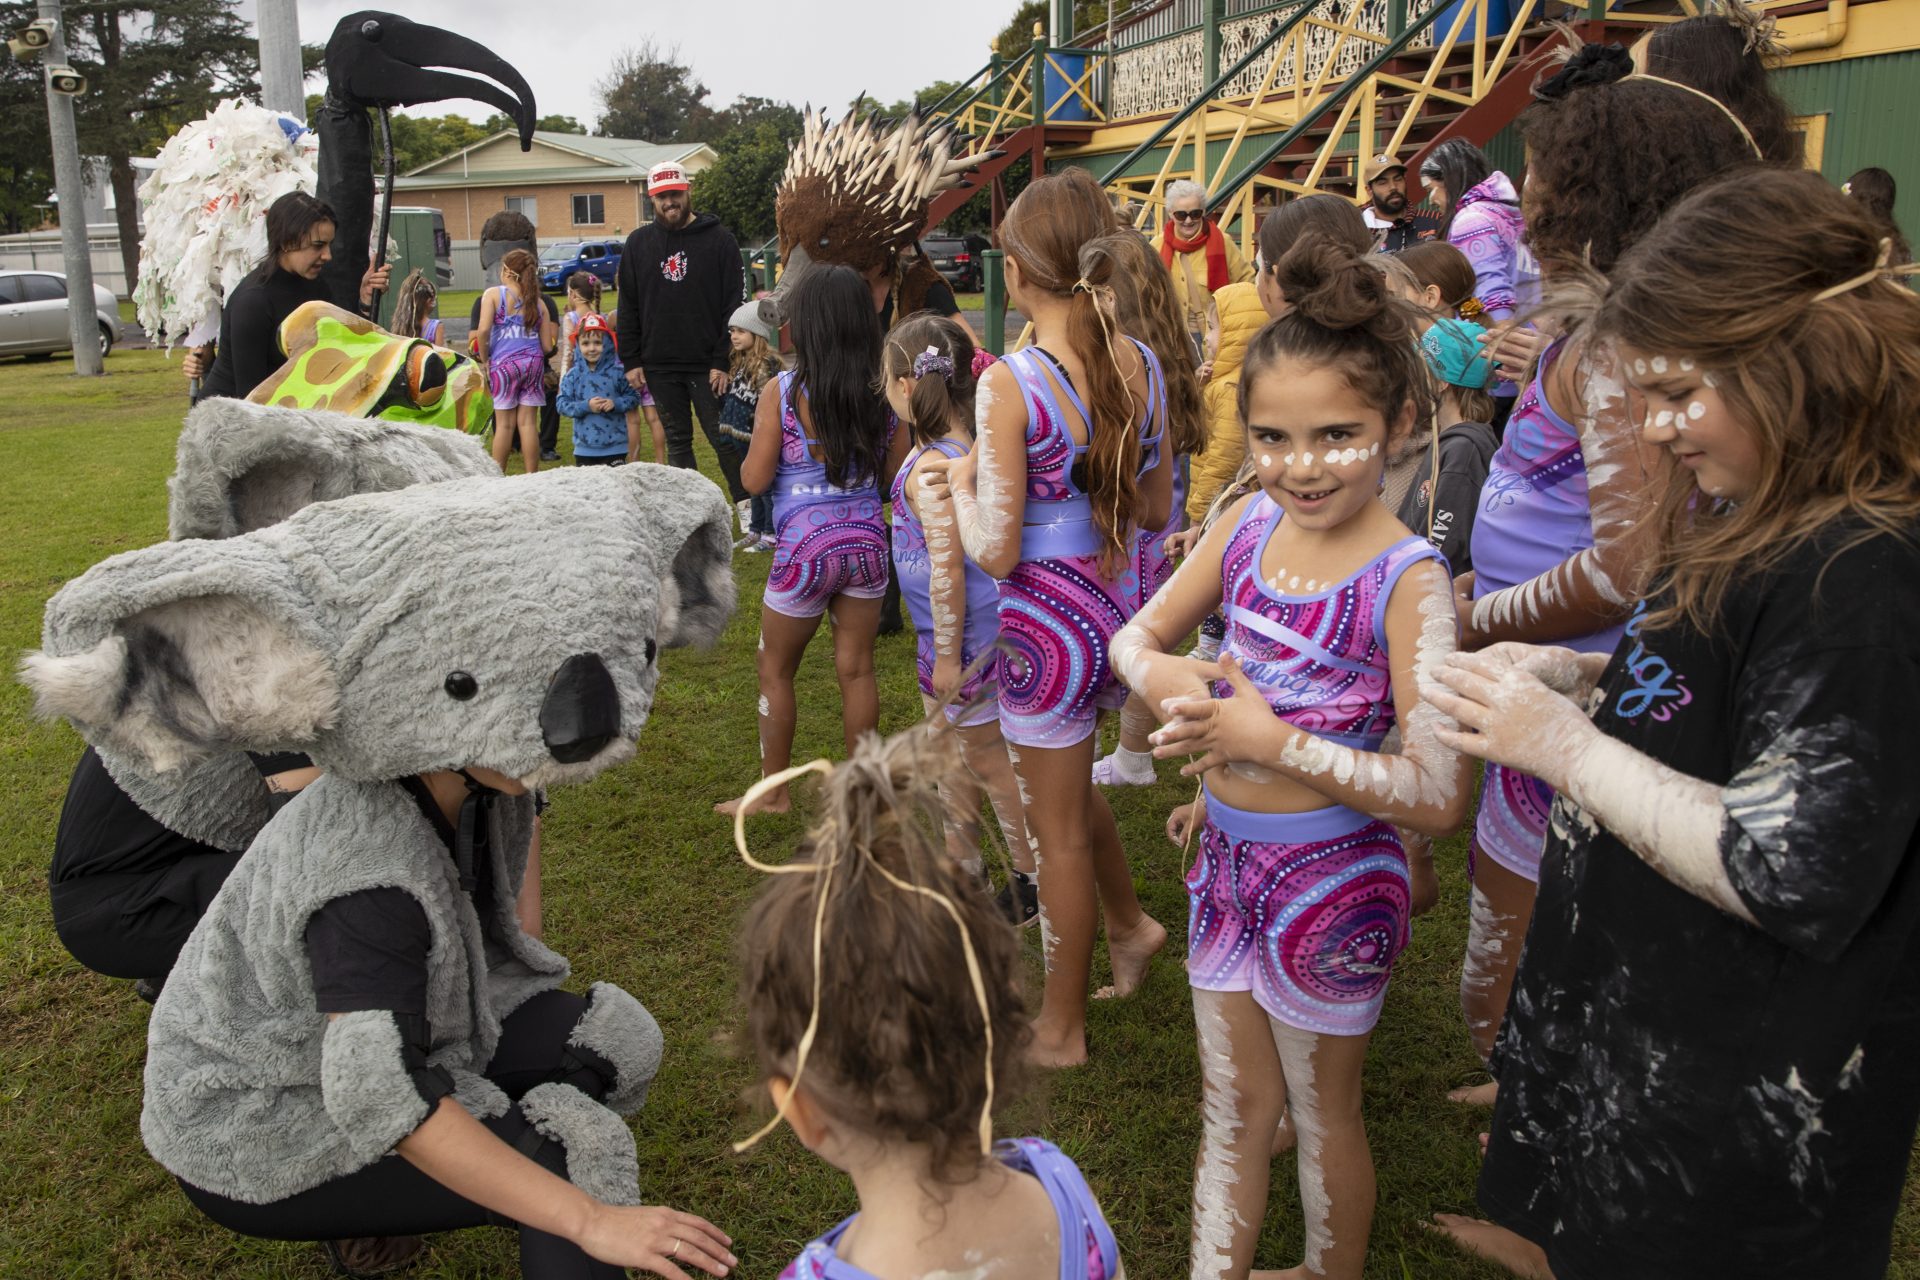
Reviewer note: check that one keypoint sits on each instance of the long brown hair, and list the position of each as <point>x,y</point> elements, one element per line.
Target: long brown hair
<point>939,395</point>
<point>899,1049</point>
<point>412,304</point>
<point>1828,388</point>
<point>525,270</point>
<point>1044,232</point>
<point>1144,306</point>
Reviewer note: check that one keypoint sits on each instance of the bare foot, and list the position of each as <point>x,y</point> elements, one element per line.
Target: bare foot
<point>1283,1136</point>
<point>1130,953</point>
<point>1475,1095</point>
<point>1053,1050</point>
<point>772,802</point>
<point>1494,1243</point>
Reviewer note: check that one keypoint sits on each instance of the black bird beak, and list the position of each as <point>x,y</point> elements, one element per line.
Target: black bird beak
<point>379,59</point>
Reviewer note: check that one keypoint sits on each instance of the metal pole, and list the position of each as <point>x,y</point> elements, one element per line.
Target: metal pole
<point>282,87</point>
<point>83,327</point>
<point>993,303</point>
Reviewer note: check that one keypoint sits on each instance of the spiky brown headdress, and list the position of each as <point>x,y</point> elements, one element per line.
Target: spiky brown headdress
<point>857,191</point>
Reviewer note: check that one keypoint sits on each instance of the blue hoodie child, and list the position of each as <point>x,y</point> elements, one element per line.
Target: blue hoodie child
<point>597,435</point>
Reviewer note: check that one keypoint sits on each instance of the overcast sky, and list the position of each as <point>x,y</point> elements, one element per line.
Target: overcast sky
<point>799,51</point>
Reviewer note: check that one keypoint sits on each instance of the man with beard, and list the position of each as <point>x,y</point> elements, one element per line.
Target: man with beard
<point>679,283</point>
<point>1393,225</point>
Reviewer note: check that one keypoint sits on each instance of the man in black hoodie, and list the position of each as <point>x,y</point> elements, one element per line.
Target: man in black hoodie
<point>679,283</point>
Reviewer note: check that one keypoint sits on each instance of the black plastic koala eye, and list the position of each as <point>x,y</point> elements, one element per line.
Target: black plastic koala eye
<point>461,686</point>
<point>372,30</point>
<point>650,650</point>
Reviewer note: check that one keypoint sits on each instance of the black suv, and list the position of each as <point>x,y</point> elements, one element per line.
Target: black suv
<point>957,258</point>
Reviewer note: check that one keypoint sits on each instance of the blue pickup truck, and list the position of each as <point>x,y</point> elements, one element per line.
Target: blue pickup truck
<point>558,262</point>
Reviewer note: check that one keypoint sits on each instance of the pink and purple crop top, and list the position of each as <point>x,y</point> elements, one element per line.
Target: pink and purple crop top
<point>1059,515</point>
<point>1319,659</point>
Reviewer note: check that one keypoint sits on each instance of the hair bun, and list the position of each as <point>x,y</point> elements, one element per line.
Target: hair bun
<point>1330,286</point>
<point>1590,64</point>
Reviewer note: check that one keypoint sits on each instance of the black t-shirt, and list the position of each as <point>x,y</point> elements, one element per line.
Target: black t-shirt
<point>250,331</point>
<point>1409,230</point>
<point>103,832</point>
<point>368,950</point>
<point>1683,1094</point>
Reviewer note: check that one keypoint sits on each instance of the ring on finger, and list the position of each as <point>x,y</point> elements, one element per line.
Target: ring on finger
<point>675,1251</point>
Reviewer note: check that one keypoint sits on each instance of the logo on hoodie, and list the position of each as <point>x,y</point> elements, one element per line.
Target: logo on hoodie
<point>674,267</point>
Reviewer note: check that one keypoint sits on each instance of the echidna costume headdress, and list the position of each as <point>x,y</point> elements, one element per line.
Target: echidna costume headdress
<point>858,191</point>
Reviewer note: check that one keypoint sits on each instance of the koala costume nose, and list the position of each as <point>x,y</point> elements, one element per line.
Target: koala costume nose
<point>581,712</point>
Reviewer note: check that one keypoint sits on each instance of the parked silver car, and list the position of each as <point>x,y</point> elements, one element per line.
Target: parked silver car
<point>33,314</point>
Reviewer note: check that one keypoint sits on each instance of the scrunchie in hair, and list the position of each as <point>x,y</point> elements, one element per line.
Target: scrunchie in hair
<point>1473,309</point>
<point>1591,64</point>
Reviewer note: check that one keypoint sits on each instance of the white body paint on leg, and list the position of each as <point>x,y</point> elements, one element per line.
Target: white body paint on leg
<point>1310,1131</point>
<point>1214,1174</point>
<point>1487,940</point>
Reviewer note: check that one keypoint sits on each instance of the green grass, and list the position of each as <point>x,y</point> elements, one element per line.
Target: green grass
<point>643,888</point>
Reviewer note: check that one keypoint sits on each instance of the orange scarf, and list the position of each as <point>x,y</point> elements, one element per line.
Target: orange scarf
<point>1216,246</point>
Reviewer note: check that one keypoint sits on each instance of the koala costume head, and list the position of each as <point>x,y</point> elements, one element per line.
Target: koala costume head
<point>240,467</point>
<point>390,634</point>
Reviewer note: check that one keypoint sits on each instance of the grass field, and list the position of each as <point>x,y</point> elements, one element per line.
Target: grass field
<point>643,888</point>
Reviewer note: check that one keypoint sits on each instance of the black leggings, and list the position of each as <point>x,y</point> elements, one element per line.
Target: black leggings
<point>392,1198</point>
<point>133,925</point>
<point>679,396</point>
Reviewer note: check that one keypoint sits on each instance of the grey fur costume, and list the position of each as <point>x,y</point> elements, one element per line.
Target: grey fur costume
<point>240,466</point>
<point>339,632</point>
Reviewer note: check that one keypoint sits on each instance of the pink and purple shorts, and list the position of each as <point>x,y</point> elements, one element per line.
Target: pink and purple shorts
<point>1511,826</point>
<point>515,381</point>
<point>827,549</point>
<point>1058,616</point>
<point>1304,910</point>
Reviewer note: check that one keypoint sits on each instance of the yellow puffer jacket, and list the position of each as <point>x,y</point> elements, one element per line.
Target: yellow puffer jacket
<point>1241,316</point>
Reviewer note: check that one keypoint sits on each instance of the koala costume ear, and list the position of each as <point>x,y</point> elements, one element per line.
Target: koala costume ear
<point>243,466</point>
<point>694,556</point>
<point>183,650</point>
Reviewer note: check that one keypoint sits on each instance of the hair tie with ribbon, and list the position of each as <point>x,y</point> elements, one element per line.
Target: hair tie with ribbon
<point>932,360</point>
<point>1082,285</point>
<point>1880,268</point>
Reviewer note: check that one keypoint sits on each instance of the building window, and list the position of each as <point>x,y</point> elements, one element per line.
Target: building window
<point>527,205</point>
<point>589,211</point>
<point>646,208</point>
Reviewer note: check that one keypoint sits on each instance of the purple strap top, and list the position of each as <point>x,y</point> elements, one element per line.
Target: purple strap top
<point>1088,1250</point>
<point>1534,508</point>
<point>801,479</point>
<point>1320,658</point>
<point>1059,518</point>
<point>510,338</point>
<point>914,570</point>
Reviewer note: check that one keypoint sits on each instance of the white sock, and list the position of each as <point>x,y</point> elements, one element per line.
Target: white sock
<point>1135,764</point>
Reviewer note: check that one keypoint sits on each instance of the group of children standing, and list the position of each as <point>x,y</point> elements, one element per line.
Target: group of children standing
<point>1396,586</point>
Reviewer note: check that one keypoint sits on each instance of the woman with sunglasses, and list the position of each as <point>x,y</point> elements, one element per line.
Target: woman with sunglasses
<point>1202,259</point>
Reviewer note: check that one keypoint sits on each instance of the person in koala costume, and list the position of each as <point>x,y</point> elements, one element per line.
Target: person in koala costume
<point>361,1038</point>
<point>139,855</point>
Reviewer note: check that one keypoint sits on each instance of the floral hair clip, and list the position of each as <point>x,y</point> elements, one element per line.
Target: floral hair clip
<point>932,361</point>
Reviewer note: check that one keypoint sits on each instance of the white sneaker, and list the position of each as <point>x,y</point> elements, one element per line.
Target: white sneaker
<point>1109,772</point>
<point>746,541</point>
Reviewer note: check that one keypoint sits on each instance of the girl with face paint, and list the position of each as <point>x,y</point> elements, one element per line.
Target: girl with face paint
<point>1300,893</point>
<point>1708,1066</point>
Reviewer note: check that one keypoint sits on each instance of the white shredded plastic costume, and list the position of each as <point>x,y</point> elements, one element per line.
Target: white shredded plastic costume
<point>205,207</point>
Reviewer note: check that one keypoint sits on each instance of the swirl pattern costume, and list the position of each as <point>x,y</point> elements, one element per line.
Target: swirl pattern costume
<point>1059,610</point>
<point>1305,910</point>
<point>830,541</point>
<point>1534,514</point>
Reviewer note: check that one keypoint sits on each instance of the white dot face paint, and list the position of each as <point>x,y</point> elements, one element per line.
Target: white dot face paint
<point>1686,364</point>
<point>1266,461</point>
<point>1306,459</point>
<point>1664,418</point>
<point>1658,364</point>
<point>1696,410</point>
<point>1639,368</point>
<point>1288,459</point>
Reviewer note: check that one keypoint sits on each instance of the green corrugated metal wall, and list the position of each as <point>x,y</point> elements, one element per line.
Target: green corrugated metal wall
<point>1873,118</point>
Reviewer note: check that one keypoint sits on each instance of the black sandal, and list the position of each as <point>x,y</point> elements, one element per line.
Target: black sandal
<point>365,1256</point>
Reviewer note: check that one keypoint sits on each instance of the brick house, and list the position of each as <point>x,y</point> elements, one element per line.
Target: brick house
<point>570,186</point>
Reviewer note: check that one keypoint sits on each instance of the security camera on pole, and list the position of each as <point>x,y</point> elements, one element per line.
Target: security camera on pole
<point>42,38</point>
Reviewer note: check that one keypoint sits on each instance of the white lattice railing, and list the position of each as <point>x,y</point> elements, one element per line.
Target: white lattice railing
<point>1157,77</point>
